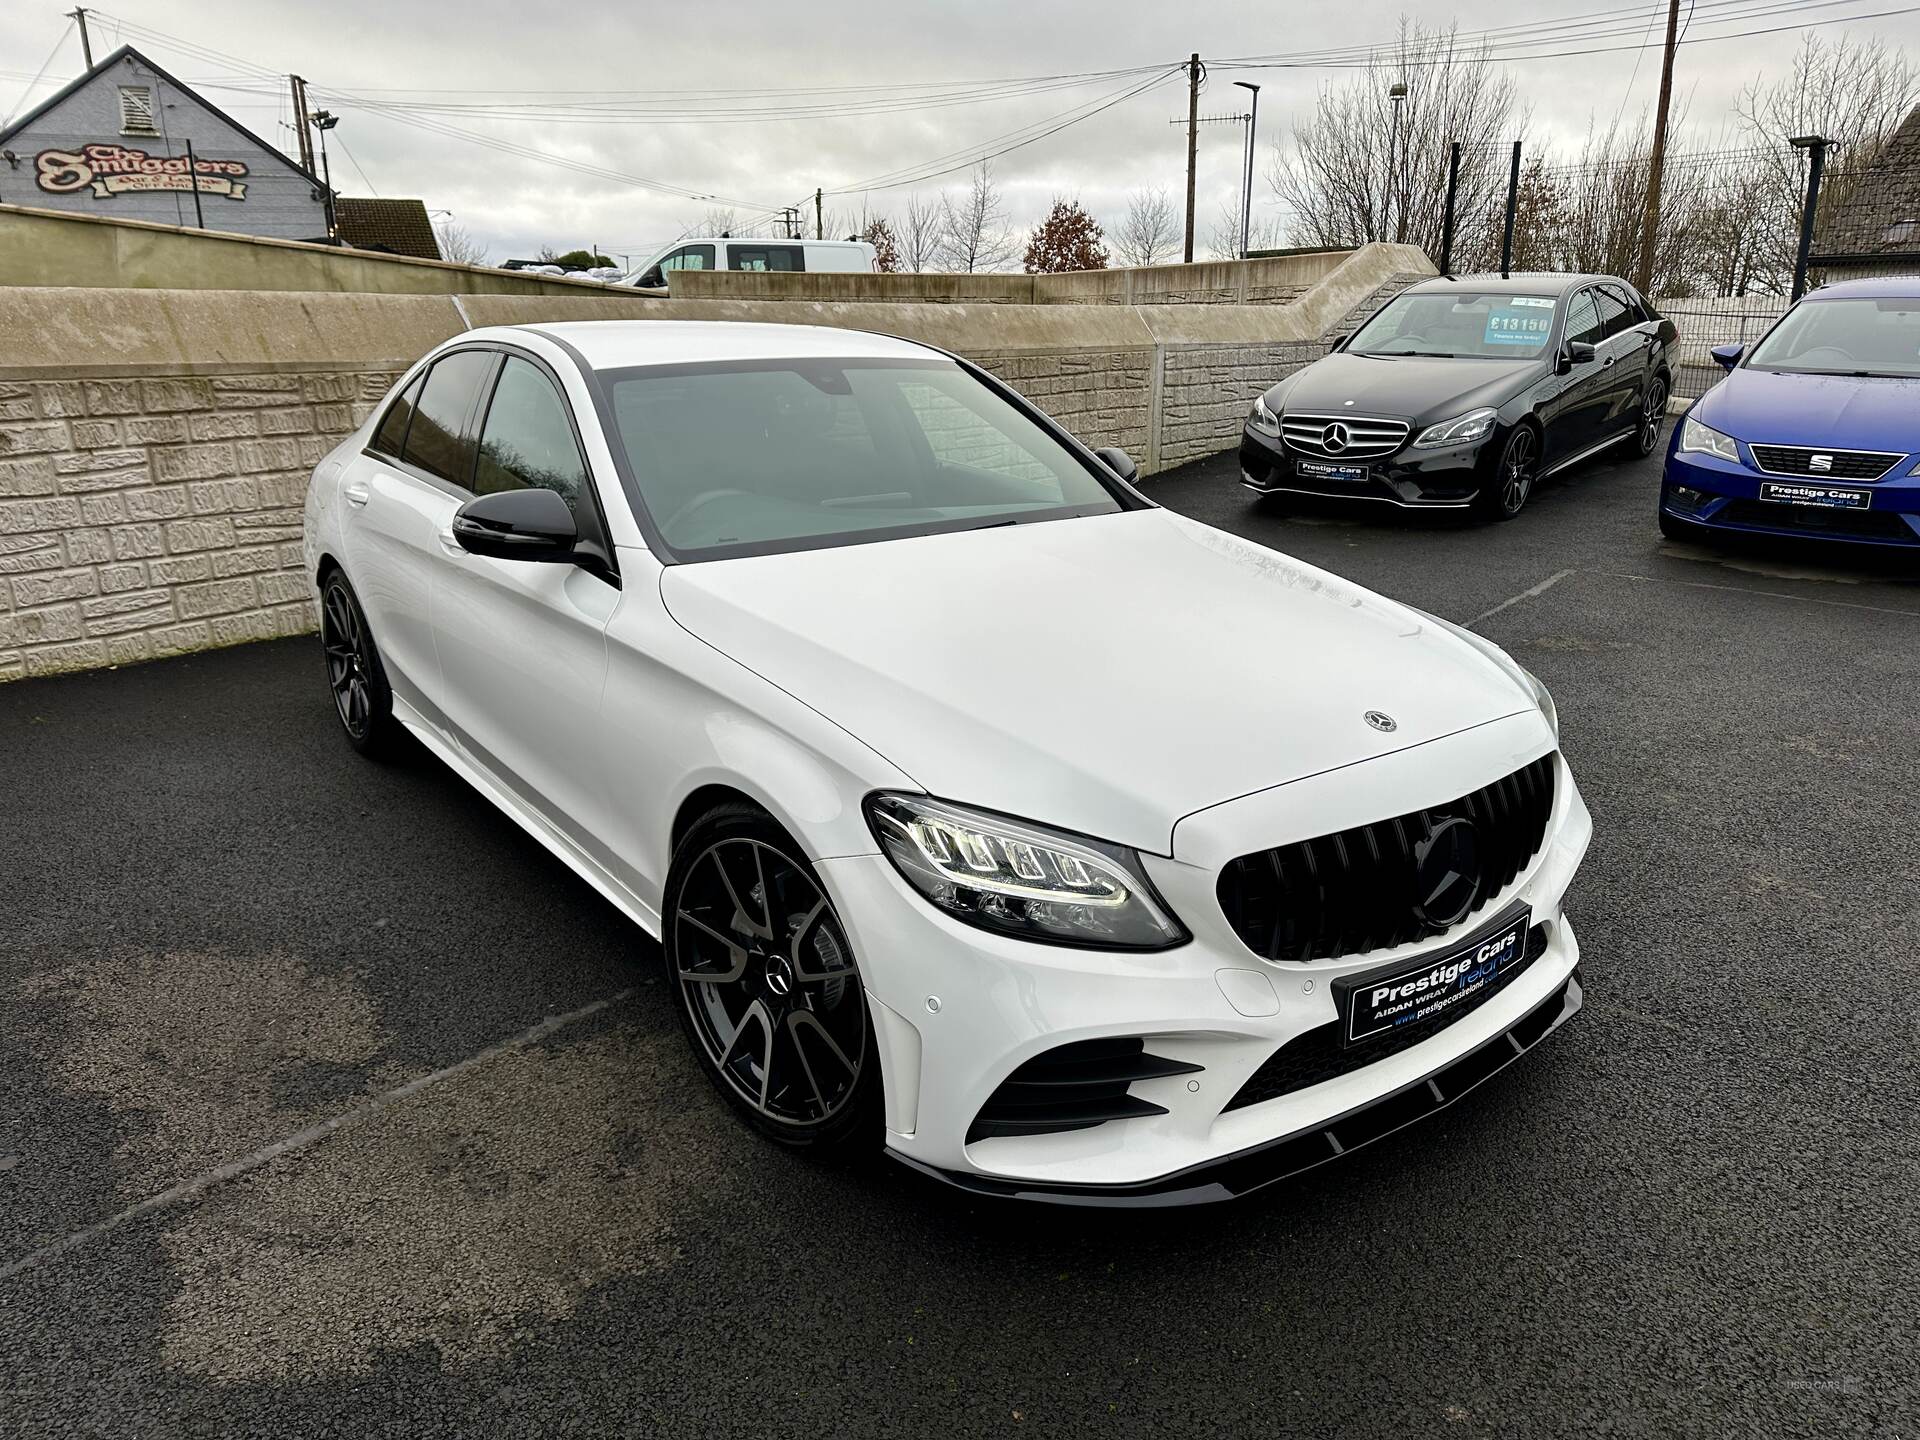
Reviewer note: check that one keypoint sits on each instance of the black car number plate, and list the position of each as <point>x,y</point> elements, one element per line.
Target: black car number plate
<point>1378,1002</point>
<point>1321,470</point>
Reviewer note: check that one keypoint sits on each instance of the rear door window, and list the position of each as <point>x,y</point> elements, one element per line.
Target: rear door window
<point>440,438</point>
<point>689,257</point>
<point>1616,317</point>
<point>392,434</point>
<point>766,257</point>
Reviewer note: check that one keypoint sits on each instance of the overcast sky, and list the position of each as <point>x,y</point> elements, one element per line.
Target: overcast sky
<point>493,52</point>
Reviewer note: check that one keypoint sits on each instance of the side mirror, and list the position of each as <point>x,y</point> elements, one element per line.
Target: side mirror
<point>1338,343</point>
<point>1577,352</point>
<point>530,524</point>
<point>1118,461</point>
<point>1728,355</point>
<point>654,279</point>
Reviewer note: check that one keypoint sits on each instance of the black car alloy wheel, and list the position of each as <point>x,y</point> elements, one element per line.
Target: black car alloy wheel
<point>1652,412</point>
<point>768,984</point>
<point>1511,483</point>
<point>344,639</point>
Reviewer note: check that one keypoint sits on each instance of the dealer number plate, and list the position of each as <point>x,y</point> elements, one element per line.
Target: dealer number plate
<point>1423,991</point>
<point>1831,497</point>
<point>1321,470</point>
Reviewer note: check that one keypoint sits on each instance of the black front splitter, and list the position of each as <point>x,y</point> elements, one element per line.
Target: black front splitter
<point>1248,1170</point>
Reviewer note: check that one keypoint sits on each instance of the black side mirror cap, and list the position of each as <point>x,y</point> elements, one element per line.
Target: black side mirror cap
<point>1728,355</point>
<point>533,524</point>
<point>1577,352</point>
<point>1118,461</point>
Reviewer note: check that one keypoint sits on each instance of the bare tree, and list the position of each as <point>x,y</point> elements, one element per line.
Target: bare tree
<point>974,226</point>
<point>1357,171</point>
<point>459,245</point>
<point>1150,232</point>
<point>1856,92</point>
<point>1264,232</point>
<point>920,234</point>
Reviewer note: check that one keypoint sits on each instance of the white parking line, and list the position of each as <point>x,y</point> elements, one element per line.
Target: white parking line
<point>1745,590</point>
<point>1528,594</point>
<point>304,1139</point>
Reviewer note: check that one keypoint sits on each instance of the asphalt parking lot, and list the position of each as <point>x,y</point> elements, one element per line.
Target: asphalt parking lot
<point>1693,1213</point>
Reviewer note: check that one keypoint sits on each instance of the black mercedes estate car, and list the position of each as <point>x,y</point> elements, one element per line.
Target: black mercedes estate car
<point>1465,392</point>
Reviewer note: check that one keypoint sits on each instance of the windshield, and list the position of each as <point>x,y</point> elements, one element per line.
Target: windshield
<point>797,454</point>
<point>1454,323</point>
<point>1845,337</point>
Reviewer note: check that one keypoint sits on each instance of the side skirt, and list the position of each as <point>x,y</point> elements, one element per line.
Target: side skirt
<point>553,839</point>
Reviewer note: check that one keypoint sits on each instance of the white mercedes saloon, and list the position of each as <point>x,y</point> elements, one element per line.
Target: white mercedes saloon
<point>1087,853</point>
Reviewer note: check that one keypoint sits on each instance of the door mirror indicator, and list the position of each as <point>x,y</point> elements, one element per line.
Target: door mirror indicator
<point>530,524</point>
<point>1118,461</point>
<point>1577,352</point>
<point>1728,355</point>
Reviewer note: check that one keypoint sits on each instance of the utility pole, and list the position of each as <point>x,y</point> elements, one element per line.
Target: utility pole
<point>86,44</point>
<point>819,225</point>
<point>1657,165</point>
<point>323,121</point>
<point>1513,203</point>
<point>193,179</point>
<point>1193,141</point>
<point>301,120</point>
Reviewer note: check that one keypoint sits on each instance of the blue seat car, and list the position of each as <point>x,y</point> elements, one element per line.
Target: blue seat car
<point>1814,432</point>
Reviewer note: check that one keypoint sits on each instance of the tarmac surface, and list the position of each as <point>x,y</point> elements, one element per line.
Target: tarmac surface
<point>240,1190</point>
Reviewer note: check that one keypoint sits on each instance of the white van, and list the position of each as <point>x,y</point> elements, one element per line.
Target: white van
<point>724,252</point>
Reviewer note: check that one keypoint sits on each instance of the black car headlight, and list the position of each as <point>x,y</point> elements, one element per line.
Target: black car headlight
<point>1461,430</point>
<point>1021,879</point>
<point>1262,418</point>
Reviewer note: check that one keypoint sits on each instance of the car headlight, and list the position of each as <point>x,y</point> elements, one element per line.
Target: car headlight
<point>1022,879</point>
<point>1707,441</point>
<point>1461,430</point>
<point>1263,419</point>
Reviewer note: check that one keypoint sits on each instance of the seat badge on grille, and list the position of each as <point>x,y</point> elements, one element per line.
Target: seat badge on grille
<point>1382,721</point>
<point>1822,463</point>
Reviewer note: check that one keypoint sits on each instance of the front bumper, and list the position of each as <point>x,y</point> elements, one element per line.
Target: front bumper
<point>957,1010</point>
<point>1411,479</point>
<point>1715,494</point>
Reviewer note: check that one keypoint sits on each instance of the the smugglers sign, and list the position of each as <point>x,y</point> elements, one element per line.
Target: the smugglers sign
<point>117,170</point>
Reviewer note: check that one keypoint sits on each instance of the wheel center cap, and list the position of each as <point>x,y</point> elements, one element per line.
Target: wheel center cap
<point>779,976</point>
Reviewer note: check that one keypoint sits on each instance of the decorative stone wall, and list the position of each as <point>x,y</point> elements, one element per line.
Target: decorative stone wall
<point>155,445</point>
<point>143,517</point>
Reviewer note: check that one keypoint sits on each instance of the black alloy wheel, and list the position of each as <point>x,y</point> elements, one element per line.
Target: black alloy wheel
<point>1652,412</point>
<point>767,984</point>
<point>358,680</point>
<point>1508,488</point>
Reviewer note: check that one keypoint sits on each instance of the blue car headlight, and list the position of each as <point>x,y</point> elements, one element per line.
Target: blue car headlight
<point>1705,440</point>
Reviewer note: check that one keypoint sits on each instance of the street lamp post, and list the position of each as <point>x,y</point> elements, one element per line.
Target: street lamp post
<point>323,121</point>
<point>1246,191</point>
<point>1397,93</point>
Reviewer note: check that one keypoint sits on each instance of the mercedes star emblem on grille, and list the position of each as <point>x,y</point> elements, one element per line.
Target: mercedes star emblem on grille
<point>1380,720</point>
<point>1335,438</point>
<point>1446,872</point>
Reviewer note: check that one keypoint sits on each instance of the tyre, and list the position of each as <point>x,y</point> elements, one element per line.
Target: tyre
<point>1652,411</point>
<point>767,985</point>
<point>361,695</point>
<point>1506,493</point>
<point>1675,528</point>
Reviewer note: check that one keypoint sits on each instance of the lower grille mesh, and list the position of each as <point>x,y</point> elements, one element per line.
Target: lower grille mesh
<point>1074,1087</point>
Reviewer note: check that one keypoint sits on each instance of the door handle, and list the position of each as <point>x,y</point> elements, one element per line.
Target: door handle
<point>357,494</point>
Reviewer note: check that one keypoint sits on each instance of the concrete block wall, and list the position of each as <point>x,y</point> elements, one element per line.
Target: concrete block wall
<point>142,517</point>
<point>155,445</point>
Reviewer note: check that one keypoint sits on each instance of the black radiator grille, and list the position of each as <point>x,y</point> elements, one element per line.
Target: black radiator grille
<point>1318,1055</point>
<point>1074,1087</point>
<point>1840,464</point>
<point>1354,890</point>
